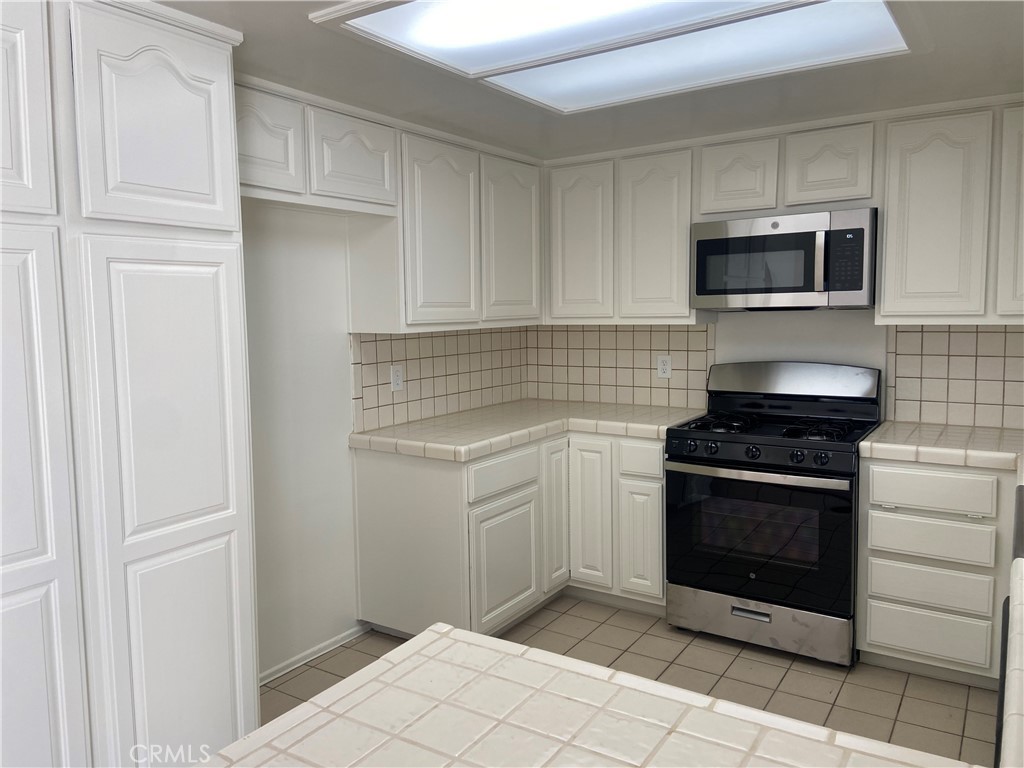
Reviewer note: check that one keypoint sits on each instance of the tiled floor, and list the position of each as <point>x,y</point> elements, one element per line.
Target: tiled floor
<point>919,712</point>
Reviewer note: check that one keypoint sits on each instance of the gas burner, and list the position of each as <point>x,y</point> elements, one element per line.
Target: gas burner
<point>812,429</point>
<point>723,421</point>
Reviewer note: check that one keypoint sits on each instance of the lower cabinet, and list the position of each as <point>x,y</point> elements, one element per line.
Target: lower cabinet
<point>590,511</point>
<point>554,483</point>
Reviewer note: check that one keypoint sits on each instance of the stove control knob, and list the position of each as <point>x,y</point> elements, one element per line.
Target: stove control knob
<point>797,457</point>
<point>711,449</point>
<point>821,458</point>
<point>691,446</point>
<point>752,452</point>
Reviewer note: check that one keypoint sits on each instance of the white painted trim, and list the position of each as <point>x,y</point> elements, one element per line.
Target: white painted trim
<point>312,653</point>
<point>313,202</point>
<point>176,18</point>
<point>351,9</point>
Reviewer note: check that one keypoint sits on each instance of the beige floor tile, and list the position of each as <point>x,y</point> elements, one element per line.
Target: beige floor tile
<point>602,655</point>
<point>688,678</point>
<point>574,626</point>
<point>819,668</point>
<point>273,704</point>
<point>860,723</point>
<point>347,662</point>
<point>939,691</point>
<point>982,700</point>
<point>799,708</point>
<point>742,693</point>
<point>519,633</point>
<point>615,637</point>
<point>592,611</point>
<point>720,644</point>
<point>928,714</point>
<point>926,740</point>
<point>297,671</point>
<point>875,702</point>
<point>562,604</point>
<point>657,647</point>
<point>756,672</point>
<point>767,655</point>
<point>662,628</point>
<point>377,644</point>
<point>541,618</point>
<point>547,640</point>
<point>640,622</point>
<point>980,727</point>
<point>311,682</point>
<point>333,652</point>
<point>705,659</point>
<point>265,688</point>
<point>810,686</point>
<point>870,676</point>
<point>635,664</point>
<point>978,752</point>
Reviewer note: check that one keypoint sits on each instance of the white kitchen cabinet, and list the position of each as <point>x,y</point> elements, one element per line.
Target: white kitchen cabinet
<point>1010,263</point>
<point>43,678</point>
<point>352,158</point>
<point>26,152</point>
<point>156,130</point>
<point>641,559</point>
<point>554,485</point>
<point>739,177</point>
<point>653,228</point>
<point>581,246</point>
<point>442,231</point>
<point>829,164</point>
<point>590,511</point>
<point>936,217</point>
<point>510,248</point>
<point>271,140</point>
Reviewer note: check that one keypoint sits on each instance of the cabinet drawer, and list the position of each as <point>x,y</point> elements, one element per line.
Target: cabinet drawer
<point>935,587</point>
<point>942,491</point>
<point>641,459</point>
<point>941,635</point>
<point>927,537</point>
<point>492,476</point>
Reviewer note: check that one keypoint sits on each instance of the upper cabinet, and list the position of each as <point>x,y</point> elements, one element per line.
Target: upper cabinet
<point>26,152</point>
<point>352,158</point>
<point>156,137</point>
<point>1010,264</point>
<point>271,140</point>
<point>739,177</point>
<point>831,164</point>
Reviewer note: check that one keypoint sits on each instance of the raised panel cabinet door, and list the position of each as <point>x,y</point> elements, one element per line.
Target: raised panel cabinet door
<point>581,247</point>
<point>653,225</point>
<point>1010,265</point>
<point>739,177</point>
<point>590,511</point>
<point>641,566</point>
<point>156,128</point>
<point>43,699</point>
<point>166,449</point>
<point>352,158</point>
<point>555,514</point>
<point>271,140</point>
<point>26,151</point>
<point>442,231</point>
<point>510,248</point>
<point>936,216</point>
<point>503,558</point>
<point>830,164</point>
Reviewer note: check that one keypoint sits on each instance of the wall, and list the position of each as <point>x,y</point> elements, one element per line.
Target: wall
<point>305,546</point>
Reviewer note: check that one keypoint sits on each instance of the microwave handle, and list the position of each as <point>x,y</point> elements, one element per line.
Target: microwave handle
<point>819,261</point>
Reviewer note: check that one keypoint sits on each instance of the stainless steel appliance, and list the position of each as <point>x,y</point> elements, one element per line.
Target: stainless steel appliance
<point>807,260</point>
<point>761,501</point>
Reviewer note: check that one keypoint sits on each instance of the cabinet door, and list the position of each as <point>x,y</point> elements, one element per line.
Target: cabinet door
<point>165,451</point>
<point>442,243</point>
<point>510,224</point>
<point>503,558</point>
<point>156,134</point>
<point>26,152</point>
<point>271,140</point>
<point>1010,293</point>
<point>739,177</point>
<point>352,158</point>
<point>936,217</point>
<point>590,511</point>
<point>653,222</point>
<point>831,164</point>
<point>581,241</point>
<point>641,566</point>
<point>42,675</point>
<point>555,484</point>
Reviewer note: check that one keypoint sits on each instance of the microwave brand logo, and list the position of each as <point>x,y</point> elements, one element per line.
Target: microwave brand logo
<point>182,754</point>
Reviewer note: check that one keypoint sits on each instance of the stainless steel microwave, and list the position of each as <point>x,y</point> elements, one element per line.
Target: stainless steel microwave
<point>806,260</point>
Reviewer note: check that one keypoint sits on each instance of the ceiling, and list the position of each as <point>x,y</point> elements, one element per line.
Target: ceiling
<point>959,50</point>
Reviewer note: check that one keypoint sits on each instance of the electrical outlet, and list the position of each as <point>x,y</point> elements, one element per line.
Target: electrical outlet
<point>397,377</point>
<point>664,366</point>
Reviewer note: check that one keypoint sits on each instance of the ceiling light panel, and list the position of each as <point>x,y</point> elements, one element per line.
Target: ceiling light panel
<point>804,37</point>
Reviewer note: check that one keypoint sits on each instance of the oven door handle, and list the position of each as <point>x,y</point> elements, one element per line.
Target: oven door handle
<point>773,478</point>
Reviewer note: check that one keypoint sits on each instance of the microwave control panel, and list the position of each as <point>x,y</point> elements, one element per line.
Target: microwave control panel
<point>846,260</point>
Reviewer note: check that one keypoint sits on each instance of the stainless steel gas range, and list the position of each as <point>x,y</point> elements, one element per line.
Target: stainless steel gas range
<point>761,505</point>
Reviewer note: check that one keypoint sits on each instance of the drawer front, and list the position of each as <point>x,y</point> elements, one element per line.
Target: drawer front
<point>935,587</point>
<point>641,459</point>
<point>942,491</point>
<point>492,476</point>
<point>925,537</point>
<point>953,638</point>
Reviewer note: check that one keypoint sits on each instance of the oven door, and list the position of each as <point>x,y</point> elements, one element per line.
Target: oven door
<point>787,540</point>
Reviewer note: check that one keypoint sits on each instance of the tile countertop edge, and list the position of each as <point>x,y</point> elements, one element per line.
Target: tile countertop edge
<point>961,446</point>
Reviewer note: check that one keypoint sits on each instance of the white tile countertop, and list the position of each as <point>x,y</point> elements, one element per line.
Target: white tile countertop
<point>983,447</point>
<point>450,697</point>
<point>481,431</point>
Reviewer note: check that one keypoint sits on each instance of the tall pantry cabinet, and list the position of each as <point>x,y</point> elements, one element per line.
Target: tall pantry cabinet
<point>127,520</point>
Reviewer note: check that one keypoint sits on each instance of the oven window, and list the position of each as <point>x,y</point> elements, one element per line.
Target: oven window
<point>758,531</point>
<point>757,264</point>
